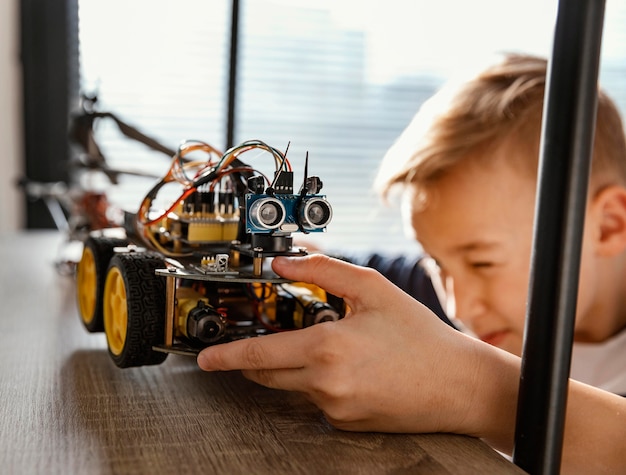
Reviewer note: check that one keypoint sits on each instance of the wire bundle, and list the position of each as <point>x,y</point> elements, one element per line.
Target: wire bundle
<point>193,174</point>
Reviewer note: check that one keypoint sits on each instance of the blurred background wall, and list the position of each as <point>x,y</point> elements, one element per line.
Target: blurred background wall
<point>11,206</point>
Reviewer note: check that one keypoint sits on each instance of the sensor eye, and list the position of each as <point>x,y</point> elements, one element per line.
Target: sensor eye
<point>315,214</point>
<point>267,213</point>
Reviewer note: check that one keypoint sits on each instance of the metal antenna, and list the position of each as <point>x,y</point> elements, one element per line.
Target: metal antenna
<point>303,190</point>
<point>287,149</point>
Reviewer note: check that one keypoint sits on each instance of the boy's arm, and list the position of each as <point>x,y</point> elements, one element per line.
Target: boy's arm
<point>595,427</point>
<point>595,424</point>
<point>390,365</point>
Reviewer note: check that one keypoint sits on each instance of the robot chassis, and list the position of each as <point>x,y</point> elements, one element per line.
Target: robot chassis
<point>194,275</point>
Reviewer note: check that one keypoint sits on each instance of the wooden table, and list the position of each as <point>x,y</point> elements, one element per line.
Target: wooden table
<point>66,408</point>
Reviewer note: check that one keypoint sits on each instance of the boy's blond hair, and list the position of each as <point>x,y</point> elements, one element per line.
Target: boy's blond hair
<point>503,103</point>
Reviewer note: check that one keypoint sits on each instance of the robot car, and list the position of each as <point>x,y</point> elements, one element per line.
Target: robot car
<point>193,273</point>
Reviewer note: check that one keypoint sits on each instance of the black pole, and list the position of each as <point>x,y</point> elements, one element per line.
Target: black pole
<point>564,166</point>
<point>232,74</point>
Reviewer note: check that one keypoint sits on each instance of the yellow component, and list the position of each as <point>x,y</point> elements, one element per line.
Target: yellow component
<point>209,227</point>
<point>267,296</point>
<point>306,294</point>
<point>115,310</point>
<point>230,228</point>
<point>205,231</point>
<point>186,300</point>
<point>86,285</point>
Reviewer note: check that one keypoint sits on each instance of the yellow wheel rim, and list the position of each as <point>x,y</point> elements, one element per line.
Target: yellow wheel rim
<point>115,311</point>
<point>86,284</point>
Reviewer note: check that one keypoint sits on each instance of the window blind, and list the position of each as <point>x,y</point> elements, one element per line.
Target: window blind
<point>331,77</point>
<point>162,67</point>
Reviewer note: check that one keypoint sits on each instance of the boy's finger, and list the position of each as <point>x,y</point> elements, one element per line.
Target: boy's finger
<point>287,379</point>
<point>337,277</point>
<point>277,351</point>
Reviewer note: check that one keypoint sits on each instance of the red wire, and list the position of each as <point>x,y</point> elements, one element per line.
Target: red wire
<point>171,208</point>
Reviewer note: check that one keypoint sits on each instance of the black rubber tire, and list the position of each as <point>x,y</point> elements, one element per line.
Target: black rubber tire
<point>145,309</point>
<point>102,249</point>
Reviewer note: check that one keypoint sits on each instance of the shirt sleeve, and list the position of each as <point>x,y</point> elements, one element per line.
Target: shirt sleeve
<point>407,273</point>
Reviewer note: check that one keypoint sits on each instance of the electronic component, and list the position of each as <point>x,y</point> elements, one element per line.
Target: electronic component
<point>300,306</point>
<point>226,200</point>
<point>191,274</point>
<point>279,210</point>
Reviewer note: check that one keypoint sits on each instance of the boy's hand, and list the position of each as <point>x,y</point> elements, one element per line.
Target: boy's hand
<point>389,365</point>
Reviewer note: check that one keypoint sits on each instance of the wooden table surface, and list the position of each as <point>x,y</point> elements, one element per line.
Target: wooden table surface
<point>66,408</point>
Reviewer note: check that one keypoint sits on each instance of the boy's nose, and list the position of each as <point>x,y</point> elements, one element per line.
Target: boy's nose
<point>469,303</point>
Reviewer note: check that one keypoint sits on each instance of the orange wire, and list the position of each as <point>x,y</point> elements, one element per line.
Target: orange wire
<point>187,192</point>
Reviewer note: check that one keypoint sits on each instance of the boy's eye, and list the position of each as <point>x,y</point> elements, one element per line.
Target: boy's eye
<point>481,264</point>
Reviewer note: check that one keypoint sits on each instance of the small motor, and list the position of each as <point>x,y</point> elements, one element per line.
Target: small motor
<point>205,324</point>
<point>300,306</point>
<point>197,320</point>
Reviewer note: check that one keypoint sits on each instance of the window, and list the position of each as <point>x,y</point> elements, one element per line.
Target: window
<point>335,78</point>
<point>161,67</point>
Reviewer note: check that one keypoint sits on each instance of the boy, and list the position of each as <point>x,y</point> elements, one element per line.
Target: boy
<point>467,165</point>
<point>476,196</point>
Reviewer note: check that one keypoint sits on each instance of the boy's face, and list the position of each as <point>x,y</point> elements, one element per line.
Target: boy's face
<point>478,226</point>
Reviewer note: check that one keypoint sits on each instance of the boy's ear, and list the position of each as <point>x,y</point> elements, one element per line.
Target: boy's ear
<point>608,210</point>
